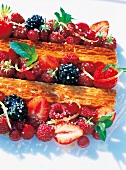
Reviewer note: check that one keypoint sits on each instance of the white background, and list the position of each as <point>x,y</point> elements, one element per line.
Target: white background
<point>109,155</point>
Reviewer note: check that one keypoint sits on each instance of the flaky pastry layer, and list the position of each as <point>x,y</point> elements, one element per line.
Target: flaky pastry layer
<point>58,93</point>
<point>94,54</point>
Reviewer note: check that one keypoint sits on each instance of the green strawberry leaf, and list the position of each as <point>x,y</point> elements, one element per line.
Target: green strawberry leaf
<point>100,128</point>
<point>25,51</point>
<point>63,17</point>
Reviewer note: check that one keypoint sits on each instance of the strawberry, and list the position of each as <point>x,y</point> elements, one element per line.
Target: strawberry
<point>66,133</point>
<point>105,79</point>
<point>5,29</point>
<point>82,26</point>
<point>101,28</point>
<point>103,111</point>
<point>48,61</point>
<point>38,107</point>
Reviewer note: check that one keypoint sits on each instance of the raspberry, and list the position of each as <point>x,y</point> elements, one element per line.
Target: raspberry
<point>85,80</point>
<point>73,40</point>
<point>72,108</point>
<point>16,17</point>
<point>58,111</point>
<point>86,112</point>
<point>65,33</point>
<point>44,36</point>
<point>55,37</point>
<point>20,32</point>
<point>47,78</point>
<point>33,35</point>
<point>87,66</point>
<point>28,132</point>
<point>15,135</point>
<point>37,70</point>
<point>4,128</point>
<point>45,132</point>
<point>87,127</point>
<point>70,58</point>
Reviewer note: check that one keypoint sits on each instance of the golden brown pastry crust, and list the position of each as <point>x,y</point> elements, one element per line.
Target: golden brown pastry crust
<point>94,54</point>
<point>58,93</point>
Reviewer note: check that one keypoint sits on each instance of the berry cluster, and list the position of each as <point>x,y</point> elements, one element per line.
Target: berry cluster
<point>58,31</point>
<point>37,117</point>
<point>69,70</point>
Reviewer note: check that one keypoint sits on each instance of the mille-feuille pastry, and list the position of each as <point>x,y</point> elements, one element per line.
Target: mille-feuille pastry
<point>56,79</point>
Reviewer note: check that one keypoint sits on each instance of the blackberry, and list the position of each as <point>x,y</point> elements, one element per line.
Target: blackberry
<point>34,22</point>
<point>17,108</point>
<point>68,74</point>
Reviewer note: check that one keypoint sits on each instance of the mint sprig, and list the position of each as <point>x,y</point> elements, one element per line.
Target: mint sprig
<point>63,17</point>
<point>103,123</point>
<point>25,51</point>
<point>113,66</point>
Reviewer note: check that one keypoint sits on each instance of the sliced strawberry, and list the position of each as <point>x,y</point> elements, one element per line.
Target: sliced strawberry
<point>38,108</point>
<point>65,132</point>
<point>101,28</point>
<point>103,111</point>
<point>48,61</point>
<point>105,79</point>
<point>5,29</point>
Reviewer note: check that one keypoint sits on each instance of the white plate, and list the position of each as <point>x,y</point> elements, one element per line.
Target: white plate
<point>110,155</point>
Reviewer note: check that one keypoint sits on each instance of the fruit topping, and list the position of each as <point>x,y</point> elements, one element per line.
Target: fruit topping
<point>70,58</point>
<point>38,108</point>
<point>34,22</point>
<point>68,74</point>
<point>58,111</point>
<point>4,128</point>
<point>86,125</point>
<point>15,135</point>
<point>16,17</point>
<point>101,28</point>
<point>105,79</point>
<point>5,29</point>
<point>45,132</point>
<point>83,141</point>
<point>16,107</point>
<point>28,132</point>
<point>66,133</point>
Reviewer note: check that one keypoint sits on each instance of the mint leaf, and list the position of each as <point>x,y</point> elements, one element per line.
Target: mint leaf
<point>63,17</point>
<point>108,116</point>
<point>25,51</point>
<point>107,123</point>
<point>100,128</point>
